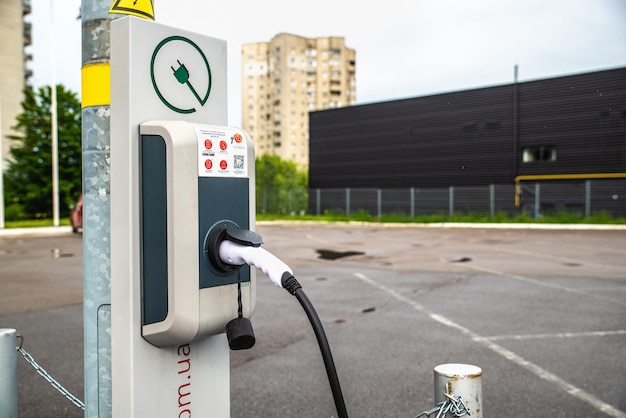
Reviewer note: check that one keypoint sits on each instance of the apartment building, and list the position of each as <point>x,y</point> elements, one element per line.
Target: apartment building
<point>14,74</point>
<point>285,79</point>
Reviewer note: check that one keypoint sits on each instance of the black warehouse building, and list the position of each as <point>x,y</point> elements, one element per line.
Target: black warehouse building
<point>558,132</point>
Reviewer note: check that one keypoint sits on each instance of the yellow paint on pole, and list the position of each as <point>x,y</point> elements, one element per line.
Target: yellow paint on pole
<point>139,8</point>
<point>96,85</point>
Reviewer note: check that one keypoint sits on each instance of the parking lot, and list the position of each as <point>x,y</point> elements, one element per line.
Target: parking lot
<point>541,311</point>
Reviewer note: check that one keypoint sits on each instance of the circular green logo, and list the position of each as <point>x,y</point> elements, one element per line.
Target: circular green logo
<point>181,74</point>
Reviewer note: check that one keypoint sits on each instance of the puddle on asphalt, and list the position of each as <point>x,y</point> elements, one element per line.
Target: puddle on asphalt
<point>334,255</point>
<point>461,260</point>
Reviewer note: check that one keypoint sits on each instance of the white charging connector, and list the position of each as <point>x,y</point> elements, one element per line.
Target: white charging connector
<point>237,254</point>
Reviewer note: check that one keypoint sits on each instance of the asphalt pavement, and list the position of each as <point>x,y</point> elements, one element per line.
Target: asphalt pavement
<point>541,311</point>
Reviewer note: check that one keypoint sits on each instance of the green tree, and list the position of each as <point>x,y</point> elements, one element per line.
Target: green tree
<point>28,177</point>
<point>280,186</point>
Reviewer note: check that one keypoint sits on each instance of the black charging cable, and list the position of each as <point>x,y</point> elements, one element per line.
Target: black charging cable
<point>228,249</point>
<point>291,284</point>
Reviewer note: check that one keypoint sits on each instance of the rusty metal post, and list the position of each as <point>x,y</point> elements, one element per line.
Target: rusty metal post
<point>462,380</point>
<point>8,373</point>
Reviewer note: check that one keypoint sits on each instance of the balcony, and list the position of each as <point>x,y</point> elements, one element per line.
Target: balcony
<point>26,7</point>
<point>28,33</point>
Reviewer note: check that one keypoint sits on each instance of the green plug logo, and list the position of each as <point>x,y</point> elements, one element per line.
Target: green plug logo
<point>181,74</point>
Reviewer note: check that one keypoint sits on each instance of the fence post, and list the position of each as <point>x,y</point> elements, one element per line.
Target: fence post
<point>347,201</point>
<point>587,198</point>
<point>412,194</point>
<point>537,200</point>
<point>492,201</point>
<point>318,205</point>
<point>462,380</point>
<point>451,201</point>
<point>379,197</point>
<point>8,373</point>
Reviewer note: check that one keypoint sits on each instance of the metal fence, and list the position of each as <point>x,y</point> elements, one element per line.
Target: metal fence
<point>584,198</point>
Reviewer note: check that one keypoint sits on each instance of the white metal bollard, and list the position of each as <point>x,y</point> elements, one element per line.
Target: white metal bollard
<point>8,373</point>
<point>462,380</point>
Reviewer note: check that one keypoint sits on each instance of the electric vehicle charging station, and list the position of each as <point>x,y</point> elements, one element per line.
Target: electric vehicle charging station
<point>169,189</point>
<point>195,183</point>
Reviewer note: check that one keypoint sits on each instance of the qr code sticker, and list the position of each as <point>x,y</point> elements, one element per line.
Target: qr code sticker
<point>238,162</point>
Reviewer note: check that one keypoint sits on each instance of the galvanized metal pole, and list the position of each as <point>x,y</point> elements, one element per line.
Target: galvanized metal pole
<point>460,380</point>
<point>8,373</point>
<point>96,135</point>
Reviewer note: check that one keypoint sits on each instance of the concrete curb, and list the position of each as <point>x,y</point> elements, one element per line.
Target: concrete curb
<point>52,230</point>
<point>472,225</point>
<point>44,230</point>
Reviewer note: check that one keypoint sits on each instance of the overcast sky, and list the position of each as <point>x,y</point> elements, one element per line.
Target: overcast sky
<point>404,48</point>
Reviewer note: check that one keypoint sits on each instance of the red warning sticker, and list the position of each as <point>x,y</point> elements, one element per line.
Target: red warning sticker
<point>232,154</point>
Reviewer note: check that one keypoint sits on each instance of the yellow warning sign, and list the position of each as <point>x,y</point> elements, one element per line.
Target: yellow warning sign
<point>139,8</point>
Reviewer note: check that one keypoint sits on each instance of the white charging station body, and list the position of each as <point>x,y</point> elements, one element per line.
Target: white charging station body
<point>161,73</point>
<point>193,178</point>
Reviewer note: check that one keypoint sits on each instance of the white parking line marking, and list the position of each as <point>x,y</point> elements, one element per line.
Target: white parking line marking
<point>507,354</point>
<point>557,335</point>
<point>580,291</point>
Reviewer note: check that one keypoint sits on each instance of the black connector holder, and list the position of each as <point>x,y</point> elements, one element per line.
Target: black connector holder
<point>240,334</point>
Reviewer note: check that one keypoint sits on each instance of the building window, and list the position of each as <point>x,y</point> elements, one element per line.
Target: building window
<point>469,128</point>
<point>538,153</point>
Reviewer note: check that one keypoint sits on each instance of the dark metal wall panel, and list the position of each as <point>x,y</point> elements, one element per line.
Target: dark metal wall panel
<point>414,142</point>
<point>467,137</point>
<point>582,116</point>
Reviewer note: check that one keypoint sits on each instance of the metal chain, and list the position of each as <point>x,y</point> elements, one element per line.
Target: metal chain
<point>453,405</point>
<point>30,360</point>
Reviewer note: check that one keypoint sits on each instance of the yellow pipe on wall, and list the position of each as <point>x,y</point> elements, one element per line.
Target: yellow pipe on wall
<point>518,179</point>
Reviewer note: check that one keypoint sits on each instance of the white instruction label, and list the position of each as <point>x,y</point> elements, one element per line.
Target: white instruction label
<point>222,152</point>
